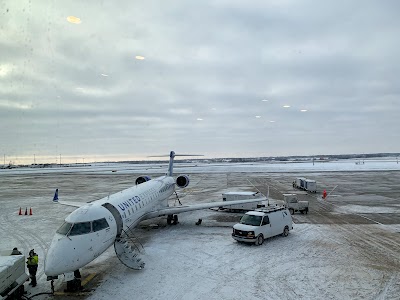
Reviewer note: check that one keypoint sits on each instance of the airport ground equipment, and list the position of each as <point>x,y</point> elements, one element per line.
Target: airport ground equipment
<point>305,184</point>
<point>12,275</point>
<point>232,196</point>
<point>300,183</point>
<point>311,186</point>
<point>293,204</point>
<point>256,226</point>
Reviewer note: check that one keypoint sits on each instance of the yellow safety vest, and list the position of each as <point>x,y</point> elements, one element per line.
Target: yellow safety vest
<point>33,261</point>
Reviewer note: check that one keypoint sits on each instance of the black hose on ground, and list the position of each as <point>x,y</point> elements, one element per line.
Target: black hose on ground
<point>43,293</point>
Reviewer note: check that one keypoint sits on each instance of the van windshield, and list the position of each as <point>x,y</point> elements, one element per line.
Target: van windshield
<point>251,220</point>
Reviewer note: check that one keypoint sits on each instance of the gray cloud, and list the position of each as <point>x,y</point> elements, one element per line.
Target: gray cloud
<point>77,89</point>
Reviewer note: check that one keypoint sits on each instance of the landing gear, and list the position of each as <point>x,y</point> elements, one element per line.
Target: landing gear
<point>172,219</point>
<point>74,285</point>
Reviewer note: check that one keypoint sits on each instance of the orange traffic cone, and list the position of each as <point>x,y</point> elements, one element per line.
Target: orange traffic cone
<point>20,211</point>
<point>324,194</point>
<point>30,211</point>
<point>26,211</point>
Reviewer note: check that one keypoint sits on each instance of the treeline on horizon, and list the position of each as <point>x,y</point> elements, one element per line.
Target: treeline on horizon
<point>320,158</point>
<point>293,158</point>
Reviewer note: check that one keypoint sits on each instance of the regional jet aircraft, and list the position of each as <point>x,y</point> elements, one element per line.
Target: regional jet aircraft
<point>92,228</point>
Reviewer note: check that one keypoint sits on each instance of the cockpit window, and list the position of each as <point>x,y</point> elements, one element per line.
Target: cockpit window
<point>64,228</point>
<point>100,224</point>
<point>80,228</point>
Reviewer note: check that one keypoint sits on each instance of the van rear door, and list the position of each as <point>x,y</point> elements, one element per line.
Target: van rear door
<point>276,219</point>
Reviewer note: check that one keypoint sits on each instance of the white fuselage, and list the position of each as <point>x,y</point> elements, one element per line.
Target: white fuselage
<point>85,235</point>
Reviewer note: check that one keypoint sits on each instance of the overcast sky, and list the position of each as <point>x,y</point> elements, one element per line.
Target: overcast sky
<point>78,88</point>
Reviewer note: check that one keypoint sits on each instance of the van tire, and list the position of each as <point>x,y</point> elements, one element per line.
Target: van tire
<point>285,231</point>
<point>260,240</point>
<point>291,210</point>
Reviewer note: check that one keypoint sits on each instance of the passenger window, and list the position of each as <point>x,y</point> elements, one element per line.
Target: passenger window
<point>265,220</point>
<point>100,224</point>
<point>80,228</point>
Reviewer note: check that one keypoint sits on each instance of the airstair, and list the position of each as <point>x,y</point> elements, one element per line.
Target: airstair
<point>128,252</point>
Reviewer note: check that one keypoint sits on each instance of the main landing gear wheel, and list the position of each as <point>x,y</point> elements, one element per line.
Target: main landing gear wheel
<point>172,219</point>
<point>291,210</point>
<point>260,240</point>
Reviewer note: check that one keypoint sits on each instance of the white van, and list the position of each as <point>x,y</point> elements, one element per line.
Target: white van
<point>256,226</point>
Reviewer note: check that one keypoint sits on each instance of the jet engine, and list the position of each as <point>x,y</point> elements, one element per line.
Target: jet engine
<point>142,179</point>
<point>182,181</point>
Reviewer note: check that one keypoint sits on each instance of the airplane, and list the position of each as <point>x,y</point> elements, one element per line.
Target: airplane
<point>92,228</point>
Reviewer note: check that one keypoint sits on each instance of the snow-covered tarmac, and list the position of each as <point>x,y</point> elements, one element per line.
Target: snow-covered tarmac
<point>345,248</point>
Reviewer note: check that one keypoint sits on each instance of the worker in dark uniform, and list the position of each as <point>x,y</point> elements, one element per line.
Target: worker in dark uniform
<point>32,263</point>
<point>16,252</point>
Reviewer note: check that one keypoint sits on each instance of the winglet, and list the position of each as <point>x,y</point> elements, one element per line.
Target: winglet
<point>55,198</point>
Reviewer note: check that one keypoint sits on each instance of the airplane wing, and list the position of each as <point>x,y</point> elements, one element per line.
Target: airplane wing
<point>68,203</point>
<point>71,203</point>
<point>184,208</point>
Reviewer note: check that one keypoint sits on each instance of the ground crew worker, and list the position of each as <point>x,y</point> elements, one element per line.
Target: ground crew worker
<point>16,252</point>
<point>32,263</point>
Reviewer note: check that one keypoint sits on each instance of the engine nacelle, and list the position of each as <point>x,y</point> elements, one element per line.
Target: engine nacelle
<point>142,179</point>
<point>182,181</point>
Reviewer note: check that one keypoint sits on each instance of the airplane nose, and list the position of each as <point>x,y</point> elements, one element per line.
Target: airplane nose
<point>57,258</point>
<point>52,268</point>
<point>52,263</point>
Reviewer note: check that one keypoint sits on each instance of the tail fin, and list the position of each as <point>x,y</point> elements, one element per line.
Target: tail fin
<point>171,163</point>
<point>55,198</point>
<point>172,155</point>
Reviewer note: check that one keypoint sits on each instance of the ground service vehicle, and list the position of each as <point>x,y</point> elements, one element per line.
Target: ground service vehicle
<point>311,186</point>
<point>293,204</point>
<point>256,226</point>
<point>232,196</point>
<point>12,275</point>
<point>308,185</point>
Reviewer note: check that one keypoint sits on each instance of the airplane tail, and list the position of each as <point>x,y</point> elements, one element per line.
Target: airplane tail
<point>55,198</point>
<point>171,163</point>
<point>172,155</point>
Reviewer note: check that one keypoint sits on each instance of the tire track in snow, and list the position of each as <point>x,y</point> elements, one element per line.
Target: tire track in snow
<point>380,241</point>
<point>42,244</point>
